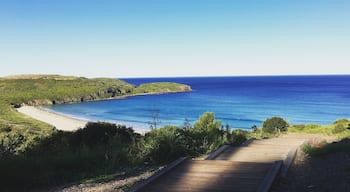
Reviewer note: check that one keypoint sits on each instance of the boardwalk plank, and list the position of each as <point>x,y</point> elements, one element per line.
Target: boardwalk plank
<point>246,168</point>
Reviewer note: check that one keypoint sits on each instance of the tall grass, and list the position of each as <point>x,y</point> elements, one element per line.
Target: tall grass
<point>341,146</point>
<point>340,129</point>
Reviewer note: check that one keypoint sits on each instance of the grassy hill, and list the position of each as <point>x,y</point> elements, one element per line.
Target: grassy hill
<point>54,89</point>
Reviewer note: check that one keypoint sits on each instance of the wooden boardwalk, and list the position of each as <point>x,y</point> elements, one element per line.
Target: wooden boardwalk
<point>247,168</point>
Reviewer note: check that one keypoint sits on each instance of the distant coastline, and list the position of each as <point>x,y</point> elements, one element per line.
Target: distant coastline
<point>66,122</point>
<point>240,102</point>
<point>47,90</point>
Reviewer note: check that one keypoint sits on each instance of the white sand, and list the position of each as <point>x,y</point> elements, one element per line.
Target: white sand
<point>59,121</point>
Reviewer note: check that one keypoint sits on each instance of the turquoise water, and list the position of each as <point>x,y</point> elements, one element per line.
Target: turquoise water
<point>238,101</point>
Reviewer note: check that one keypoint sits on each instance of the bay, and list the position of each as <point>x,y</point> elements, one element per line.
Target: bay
<point>240,102</point>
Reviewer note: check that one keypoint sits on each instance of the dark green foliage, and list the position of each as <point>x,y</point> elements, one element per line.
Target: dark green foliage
<point>238,137</point>
<point>340,126</point>
<point>168,143</point>
<point>96,133</point>
<point>228,133</point>
<point>274,124</point>
<point>165,144</point>
<point>100,148</point>
<point>207,132</point>
<point>11,143</point>
<point>254,128</point>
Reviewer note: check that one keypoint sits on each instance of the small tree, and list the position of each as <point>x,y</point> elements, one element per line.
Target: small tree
<point>155,120</point>
<point>186,124</point>
<point>275,124</point>
<point>239,136</point>
<point>207,131</point>
<point>228,133</point>
<point>254,128</point>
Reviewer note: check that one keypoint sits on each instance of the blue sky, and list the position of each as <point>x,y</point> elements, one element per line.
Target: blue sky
<point>115,38</point>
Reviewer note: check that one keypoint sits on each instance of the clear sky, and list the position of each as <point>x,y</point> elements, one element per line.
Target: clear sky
<point>129,38</point>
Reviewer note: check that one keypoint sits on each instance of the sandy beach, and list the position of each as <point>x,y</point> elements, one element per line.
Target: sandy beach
<point>59,121</point>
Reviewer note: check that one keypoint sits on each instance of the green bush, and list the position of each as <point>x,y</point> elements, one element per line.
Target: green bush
<point>274,124</point>
<point>239,136</point>
<point>338,128</point>
<point>100,148</point>
<point>207,132</point>
<point>12,143</point>
<point>165,144</point>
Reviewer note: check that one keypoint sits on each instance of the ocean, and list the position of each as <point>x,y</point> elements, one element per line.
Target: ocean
<point>240,102</point>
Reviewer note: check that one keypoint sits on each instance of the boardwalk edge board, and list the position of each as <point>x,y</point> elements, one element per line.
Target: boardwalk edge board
<point>288,161</point>
<point>216,153</point>
<point>247,142</point>
<point>158,174</point>
<point>270,177</point>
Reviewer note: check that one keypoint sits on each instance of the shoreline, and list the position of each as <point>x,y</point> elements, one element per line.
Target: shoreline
<point>60,121</point>
<point>65,122</point>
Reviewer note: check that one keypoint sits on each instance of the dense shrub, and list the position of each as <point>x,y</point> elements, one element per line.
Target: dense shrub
<point>96,133</point>
<point>100,148</point>
<point>338,128</point>
<point>12,143</point>
<point>274,124</point>
<point>239,136</point>
<point>165,144</point>
<point>169,143</point>
<point>207,132</point>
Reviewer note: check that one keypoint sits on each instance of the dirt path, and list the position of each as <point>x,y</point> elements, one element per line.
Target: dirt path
<point>120,183</point>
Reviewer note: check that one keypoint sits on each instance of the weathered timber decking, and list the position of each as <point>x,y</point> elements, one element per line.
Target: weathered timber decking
<point>248,168</point>
<point>215,175</point>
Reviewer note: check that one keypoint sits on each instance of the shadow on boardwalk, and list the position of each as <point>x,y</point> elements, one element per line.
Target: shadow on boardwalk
<point>245,168</point>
